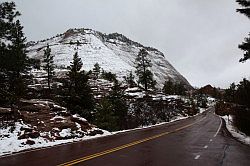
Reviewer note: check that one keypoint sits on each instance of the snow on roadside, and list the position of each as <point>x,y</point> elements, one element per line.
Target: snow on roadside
<point>177,118</point>
<point>202,110</point>
<point>9,142</point>
<point>235,132</point>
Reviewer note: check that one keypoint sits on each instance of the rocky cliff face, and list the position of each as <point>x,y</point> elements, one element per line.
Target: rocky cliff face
<point>114,52</point>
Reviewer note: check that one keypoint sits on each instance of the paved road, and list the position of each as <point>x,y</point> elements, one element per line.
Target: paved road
<point>201,140</point>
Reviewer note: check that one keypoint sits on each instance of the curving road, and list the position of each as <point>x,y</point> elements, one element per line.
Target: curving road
<point>201,140</point>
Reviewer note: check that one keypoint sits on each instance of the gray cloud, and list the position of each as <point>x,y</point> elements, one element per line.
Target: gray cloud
<point>199,38</point>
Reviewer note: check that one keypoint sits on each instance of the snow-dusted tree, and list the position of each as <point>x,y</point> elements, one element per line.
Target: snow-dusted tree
<point>97,69</point>
<point>245,46</point>
<point>129,78</point>
<point>142,70</point>
<point>74,71</point>
<point>49,65</point>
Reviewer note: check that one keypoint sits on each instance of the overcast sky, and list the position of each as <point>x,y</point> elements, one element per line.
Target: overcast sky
<point>199,37</point>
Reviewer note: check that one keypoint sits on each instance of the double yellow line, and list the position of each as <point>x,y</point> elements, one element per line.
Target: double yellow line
<point>76,161</point>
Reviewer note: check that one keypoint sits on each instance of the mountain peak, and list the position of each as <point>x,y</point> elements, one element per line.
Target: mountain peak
<point>114,52</point>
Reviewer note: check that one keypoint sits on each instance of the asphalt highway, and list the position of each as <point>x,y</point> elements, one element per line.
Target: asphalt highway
<point>200,140</point>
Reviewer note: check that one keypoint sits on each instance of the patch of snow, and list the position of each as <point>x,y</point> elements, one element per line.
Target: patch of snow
<point>235,132</point>
<point>176,118</point>
<point>58,117</point>
<point>202,110</point>
<point>65,132</point>
<point>10,143</point>
<point>113,55</point>
<point>80,118</point>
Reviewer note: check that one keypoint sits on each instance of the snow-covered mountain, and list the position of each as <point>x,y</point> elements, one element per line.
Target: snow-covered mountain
<point>114,52</point>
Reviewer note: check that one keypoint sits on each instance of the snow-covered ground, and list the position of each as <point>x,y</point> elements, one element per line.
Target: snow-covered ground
<point>150,126</point>
<point>177,118</point>
<point>114,53</point>
<point>9,142</point>
<point>235,132</point>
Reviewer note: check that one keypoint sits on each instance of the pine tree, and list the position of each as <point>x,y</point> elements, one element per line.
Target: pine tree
<point>119,102</point>
<point>105,117</point>
<point>230,93</point>
<point>112,110</point>
<point>14,63</point>
<point>243,93</point>
<point>201,100</point>
<point>74,72</point>
<point>171,88</point>
<point>96,70</point>
<point>80,98</point>
<point>142,70</point>
<point>49,65</point>
<point>168,87</point>
<point>245,46</point>
<point>129,79</point>
<point>19,61</point>
<point>179,89</point>
<point>246,7</point>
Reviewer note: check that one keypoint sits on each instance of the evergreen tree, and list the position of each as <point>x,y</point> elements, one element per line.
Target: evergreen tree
<point>74,72</point>
<point>201,100</point>
<point>112,110</point>
<point>179,89</point>
<point>97,69</point>
<point>229,95</point>
<point>243,93</point>
<point>48,65</point>
<point>105,117</point>
<point>245,46</point>
<point>129,79</point>
<point>171,88</point>
<point>246,7</point>
<point>19,62</point>
<point>13,60</point>
<point>108,76</point>
<point>80,98</point>
<point>168,87</point>
<point>119,103</point>
<point>142,70</point>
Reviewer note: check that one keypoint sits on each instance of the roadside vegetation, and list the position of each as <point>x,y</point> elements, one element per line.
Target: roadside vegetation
<point>236,99</point>
<point>98,95</point>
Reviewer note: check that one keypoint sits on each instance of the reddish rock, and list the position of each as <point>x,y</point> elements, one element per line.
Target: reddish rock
<point>93,133</point>
<point>33,134</point>
<point>30,142</point>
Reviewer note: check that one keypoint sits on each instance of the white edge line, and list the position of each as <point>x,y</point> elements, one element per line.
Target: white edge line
<point>84,140</point>
<point>197,157</point>
<point>218,128</point>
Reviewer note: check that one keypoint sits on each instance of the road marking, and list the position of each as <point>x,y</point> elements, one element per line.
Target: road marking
<point>89,157</point>
<point>218,128</point>
<point>205,147</point>
<point>211,140</point>
<point>197,157</point>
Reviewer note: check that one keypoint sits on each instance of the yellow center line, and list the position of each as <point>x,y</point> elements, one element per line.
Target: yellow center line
<point>89,157</point>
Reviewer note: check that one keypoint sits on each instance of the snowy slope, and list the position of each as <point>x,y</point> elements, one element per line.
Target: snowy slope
<point>113,52</point>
